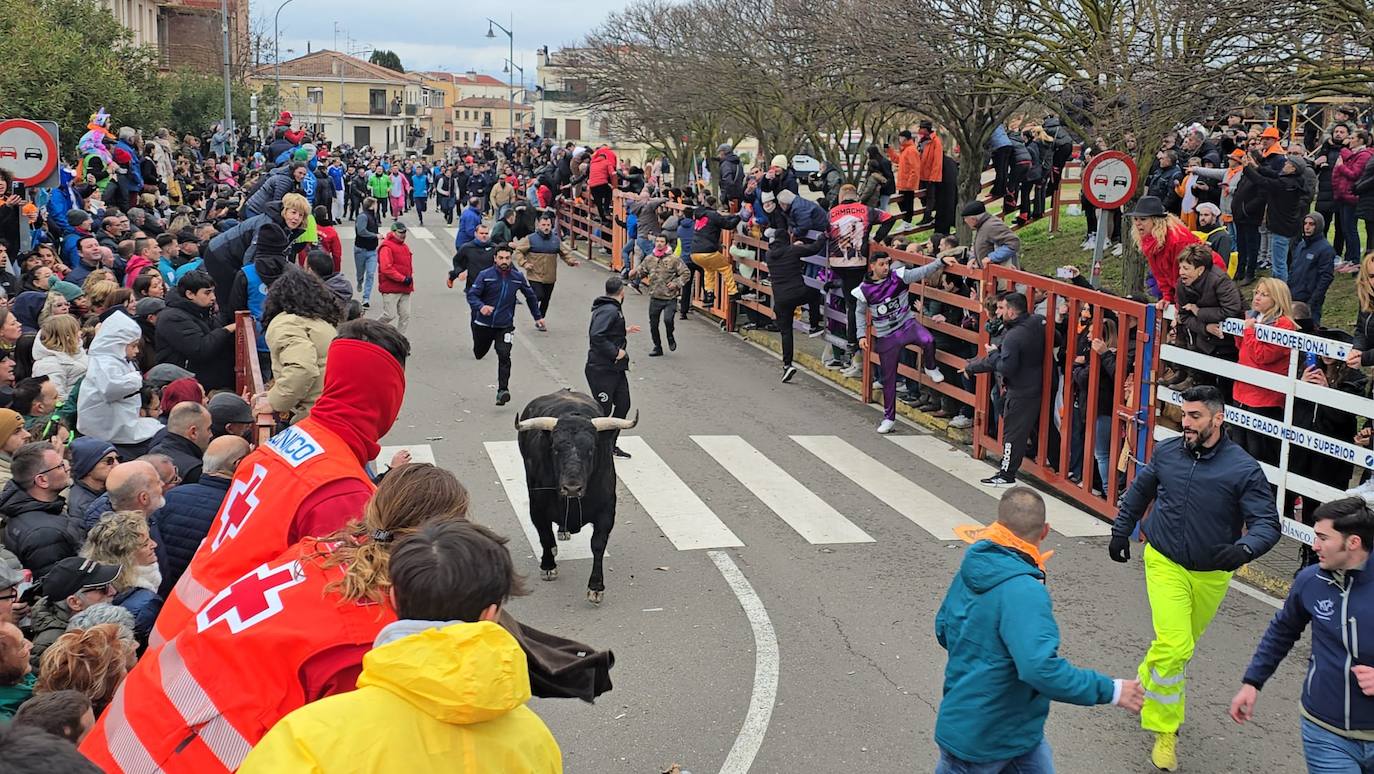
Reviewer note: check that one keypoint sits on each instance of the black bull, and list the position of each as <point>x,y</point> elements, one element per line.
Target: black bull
<point>566,444</point>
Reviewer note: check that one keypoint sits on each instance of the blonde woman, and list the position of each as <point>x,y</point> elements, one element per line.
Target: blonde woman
<point>1161,238</point>
<point>56,303</point>
<point>1362,354</point>
<point>1272,305</point>
<point>91,661</point>
<point>122,539</point>
<point>100,294</point>
<point>58,354</point>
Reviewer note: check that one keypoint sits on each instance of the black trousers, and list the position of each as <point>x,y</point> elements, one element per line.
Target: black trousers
<point>543,291</point>
<point>850,278</point>
<point>906,205</point>
<point>661,309</point>
<point>601,197</point>
<point>785,307</point>
<point>686,300</point>
<point>484,337</point>
<point>1001,163</point>
<point>1019,416</point>
<point>610,387</point>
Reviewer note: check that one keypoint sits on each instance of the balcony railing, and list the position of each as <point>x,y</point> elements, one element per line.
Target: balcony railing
<point>412,109</point>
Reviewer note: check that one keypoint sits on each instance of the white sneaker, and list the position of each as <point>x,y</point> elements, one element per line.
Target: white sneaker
<point>886,426</point>
<point>1116,249</point>
<point>1089,242</point>
<point>934,375</point>
<point>851,370</point>
<point>961,421</point>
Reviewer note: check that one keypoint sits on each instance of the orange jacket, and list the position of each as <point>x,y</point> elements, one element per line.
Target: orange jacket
<point>267,644</point>
<point>908,164</point>
<point>933,159</point>
<point>254,523</point>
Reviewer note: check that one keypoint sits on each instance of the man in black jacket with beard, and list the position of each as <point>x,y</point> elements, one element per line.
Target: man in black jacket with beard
<point>607,360</point>
<point>1020,361</point>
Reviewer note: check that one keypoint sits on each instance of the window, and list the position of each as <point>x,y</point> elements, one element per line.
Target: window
<point>604,128</point>
<point>486,119</point>
<point>376,102</point>
<point>466,117</point>
<point>572,129</point>
<point>550,127</point>
<point>314,95</point>
<point>436,99</point>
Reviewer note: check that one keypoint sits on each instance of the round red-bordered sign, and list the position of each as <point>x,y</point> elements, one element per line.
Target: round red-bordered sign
<point>27,150</point>
<point>1109,180</point>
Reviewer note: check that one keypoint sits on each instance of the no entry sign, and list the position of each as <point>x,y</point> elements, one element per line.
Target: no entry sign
<point>1109,180</point>
<point>28,150</point>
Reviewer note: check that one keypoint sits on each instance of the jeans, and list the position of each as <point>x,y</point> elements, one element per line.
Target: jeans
<point>1247,250</point>
<point>365,264</point>
<point>1350,227</point>
<point>1037,761</point>
<point>1329,753</point>
<point>1278,252</point>
<point>1102,448</point>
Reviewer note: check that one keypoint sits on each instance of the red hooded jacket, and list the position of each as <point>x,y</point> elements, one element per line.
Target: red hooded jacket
<point>1163,259</point>
<point>602,169</point>
<point>394,265</point>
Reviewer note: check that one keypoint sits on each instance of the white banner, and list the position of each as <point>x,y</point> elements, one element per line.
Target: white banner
<point>1303,342</point>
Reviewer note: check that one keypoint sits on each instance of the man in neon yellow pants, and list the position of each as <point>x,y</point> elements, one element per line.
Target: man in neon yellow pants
<point>1204,488</point>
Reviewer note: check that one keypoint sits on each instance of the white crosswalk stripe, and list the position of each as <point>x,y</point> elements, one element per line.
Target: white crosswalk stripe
<point>1063,518</point>
<point>451,232</point>
<point>917,504</point>
<point>510,467</point>
<point>807,513</point>
<point>680,514</point>
<point>421,232</point>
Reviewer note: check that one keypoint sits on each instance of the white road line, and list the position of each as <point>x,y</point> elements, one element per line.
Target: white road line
<point>766,667</point>
<point>808,514</point>
<point>421,232</point>
<point>679,513</point>
<point>451,232</point>
<point>1064,518</point>
<point>920,506</point>
<point>510,467</point>
<point>1253,593</point>
<point>419,452</point>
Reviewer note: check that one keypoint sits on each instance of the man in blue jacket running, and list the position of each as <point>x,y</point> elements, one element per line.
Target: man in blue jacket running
<point>493,297</point>
<point>1205,488</point>
<point>1004,666</point>
<point>1336,598</point>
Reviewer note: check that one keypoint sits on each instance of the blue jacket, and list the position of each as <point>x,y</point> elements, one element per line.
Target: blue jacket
<point>186,519</point>
<point>1200,503</point>
<point>144,605</point>
<point>419,186</point>
<point>1311,267</point>
<point>467,226</point>
<point>999,138</point>
<point>62,200</point>
<point>336,175</point>
<point>807,220</point>
<point>1004,667</point>
<point>499,290</point>
<point>136,168</point>
<point>1336,607</point>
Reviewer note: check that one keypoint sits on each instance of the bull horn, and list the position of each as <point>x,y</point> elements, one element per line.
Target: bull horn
<point>614,423</point>
<point>536,423</point>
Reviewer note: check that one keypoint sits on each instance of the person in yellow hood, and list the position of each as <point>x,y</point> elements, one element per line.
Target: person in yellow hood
<point>443,689</point>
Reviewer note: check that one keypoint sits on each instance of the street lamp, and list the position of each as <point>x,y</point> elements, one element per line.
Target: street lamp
<point>276,49</point>
<point>228,93</point>
<point>507,69</point>
<point>511,80</point>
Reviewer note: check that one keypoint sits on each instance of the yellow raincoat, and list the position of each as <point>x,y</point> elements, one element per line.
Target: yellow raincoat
<point>450,700</point>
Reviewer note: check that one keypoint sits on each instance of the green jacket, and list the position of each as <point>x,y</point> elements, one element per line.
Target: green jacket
<point>379,185</point>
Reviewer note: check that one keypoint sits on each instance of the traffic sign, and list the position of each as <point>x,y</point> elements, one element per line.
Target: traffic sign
<point>28,150</point>
<point>1109,180</point>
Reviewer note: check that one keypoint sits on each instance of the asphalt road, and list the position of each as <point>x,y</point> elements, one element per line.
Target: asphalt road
<point>830,663</point>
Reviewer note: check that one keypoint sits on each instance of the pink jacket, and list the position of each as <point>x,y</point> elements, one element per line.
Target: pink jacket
<point>1343,177</point>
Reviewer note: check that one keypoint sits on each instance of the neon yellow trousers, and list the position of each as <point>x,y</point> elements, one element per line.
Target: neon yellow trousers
<point>1182,604</point>
<point>714,264</point>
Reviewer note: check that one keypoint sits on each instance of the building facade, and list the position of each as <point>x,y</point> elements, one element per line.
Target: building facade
<point>186,33</point>
<point>561,110</point>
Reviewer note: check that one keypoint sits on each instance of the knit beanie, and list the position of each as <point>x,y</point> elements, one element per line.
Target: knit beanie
<point>10,423</point>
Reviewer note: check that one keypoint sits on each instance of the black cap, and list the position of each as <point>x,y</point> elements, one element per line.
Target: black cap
<point>74,575</point>
<point>973,209</point>
<point>905,134</point>
<point>227,407</point>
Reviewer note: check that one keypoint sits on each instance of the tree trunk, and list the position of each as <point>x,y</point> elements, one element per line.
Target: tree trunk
<point>971,163</point>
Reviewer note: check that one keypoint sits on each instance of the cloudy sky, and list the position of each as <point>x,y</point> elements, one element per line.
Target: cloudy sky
<point>434,36</point>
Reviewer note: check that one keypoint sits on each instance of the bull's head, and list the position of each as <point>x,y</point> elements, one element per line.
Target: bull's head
<point>572,439</point>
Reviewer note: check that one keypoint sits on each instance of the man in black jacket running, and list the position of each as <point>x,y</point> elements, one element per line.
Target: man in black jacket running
<point>607,360</point>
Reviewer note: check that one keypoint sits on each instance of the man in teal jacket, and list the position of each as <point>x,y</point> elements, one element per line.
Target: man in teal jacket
<point>1004,667</point>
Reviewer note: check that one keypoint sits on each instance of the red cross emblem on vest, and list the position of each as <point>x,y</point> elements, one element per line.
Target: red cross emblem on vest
<point>238,506</point>
<point>251,599</point>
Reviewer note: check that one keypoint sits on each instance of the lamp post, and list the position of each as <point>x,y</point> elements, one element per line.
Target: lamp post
<point>511,79</point>
<point>508,69</point>
<point>228,93</point>
<point>276,50</point>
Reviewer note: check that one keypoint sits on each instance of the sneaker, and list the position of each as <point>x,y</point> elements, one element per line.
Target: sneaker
<point>502,397</point>
<point>367,305</point>
<point>886,426</point>
<point>1116,249</point>
<point>998,480</point>
<point>961,421</point>
<point>710,299</point>
<point>788,372</point>
<point>672,343</point>
<point>621,453</point>
<point>1165,754</point>
<point>748,297</point>
<point>1089,242</point>
<point>656,352</point>
<point>814,331</point>
<point>934,375</point>
<point>833,364</point>
<point>851,370</point>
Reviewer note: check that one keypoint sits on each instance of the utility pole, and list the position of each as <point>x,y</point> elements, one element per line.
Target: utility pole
<point>228,91</point>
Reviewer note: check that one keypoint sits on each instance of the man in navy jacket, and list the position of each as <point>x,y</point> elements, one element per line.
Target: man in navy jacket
<point>190,508</point>
<point>1335,597</point>
<point>493,296</point>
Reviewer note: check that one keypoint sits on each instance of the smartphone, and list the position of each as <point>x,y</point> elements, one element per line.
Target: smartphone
<point>1311,360</point>
<point>1063,272</point>
<point>17,189</point>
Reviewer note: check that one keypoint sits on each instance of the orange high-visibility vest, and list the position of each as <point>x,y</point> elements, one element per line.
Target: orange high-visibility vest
<point>254,522</point>
<point>199,702</point>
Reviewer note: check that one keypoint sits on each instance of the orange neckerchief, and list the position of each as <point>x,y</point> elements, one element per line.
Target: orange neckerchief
<point>1002,536</point>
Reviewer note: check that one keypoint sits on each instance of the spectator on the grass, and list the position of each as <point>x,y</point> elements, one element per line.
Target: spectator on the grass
<point>1211,230</point>
<point>1271,305</point>
<point>993,240</point>
<point>1283,191</point>
<point>1346,174</point>
<point>1312,265</point>
<point>1206,297</point>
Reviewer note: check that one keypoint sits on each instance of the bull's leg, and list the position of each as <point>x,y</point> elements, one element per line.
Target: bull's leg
<point>596,584</point>
<point>548,568</point>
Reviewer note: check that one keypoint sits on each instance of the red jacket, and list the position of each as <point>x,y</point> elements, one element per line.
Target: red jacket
<point>329,240</point>
<point>1163,259</point>
<point>394,266</point>
<point>602,169</point>
<point>1267,357</point>
<point>1344,176</point>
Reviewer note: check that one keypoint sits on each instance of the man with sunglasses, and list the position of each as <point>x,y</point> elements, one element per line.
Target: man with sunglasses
<point>38,529</point>
<point>72,585</point>
<point>92,460</point>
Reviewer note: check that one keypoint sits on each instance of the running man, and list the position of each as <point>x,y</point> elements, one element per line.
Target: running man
<point>493,296</point>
